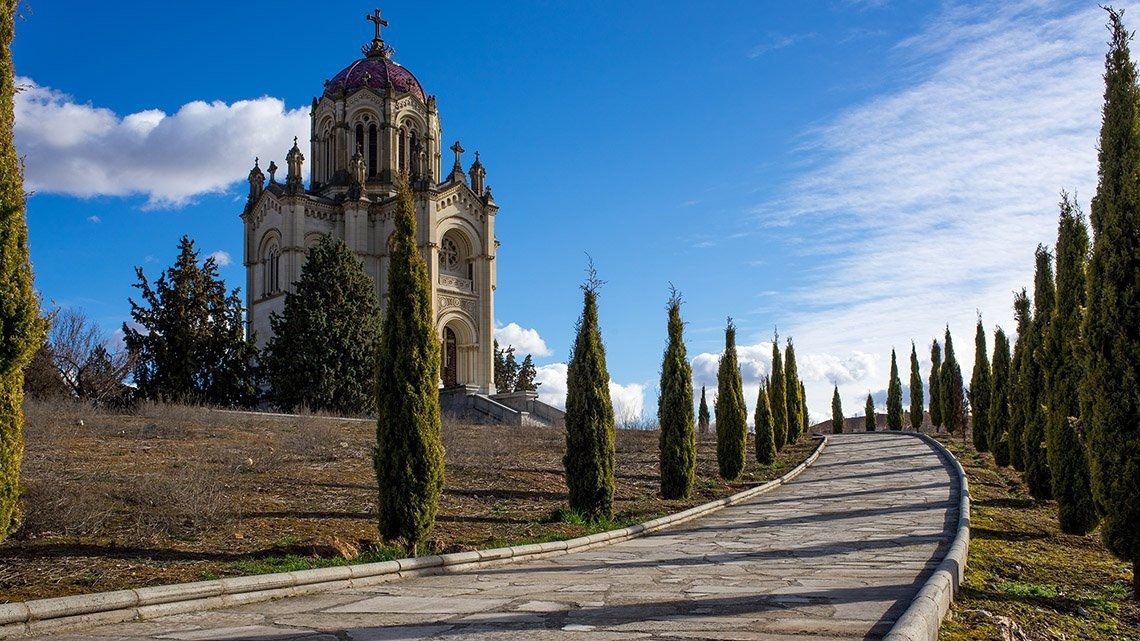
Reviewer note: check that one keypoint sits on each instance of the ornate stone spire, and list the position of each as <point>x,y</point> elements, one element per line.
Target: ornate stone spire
<point>477,175</point>
<point>256,181</point>
<point>377,49</point>
<point>294,183</point>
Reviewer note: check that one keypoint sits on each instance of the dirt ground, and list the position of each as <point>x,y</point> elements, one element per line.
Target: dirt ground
<point>172,494</point>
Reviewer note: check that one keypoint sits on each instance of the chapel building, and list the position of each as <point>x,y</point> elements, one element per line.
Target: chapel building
<point>373,123</point>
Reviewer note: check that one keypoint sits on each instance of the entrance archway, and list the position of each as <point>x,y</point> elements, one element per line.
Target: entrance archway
<point>450,365</point>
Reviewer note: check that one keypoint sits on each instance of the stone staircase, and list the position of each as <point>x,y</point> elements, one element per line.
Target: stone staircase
<point>514,408</point>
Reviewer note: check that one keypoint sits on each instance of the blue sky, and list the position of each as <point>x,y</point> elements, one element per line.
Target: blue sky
<point>855,173</point>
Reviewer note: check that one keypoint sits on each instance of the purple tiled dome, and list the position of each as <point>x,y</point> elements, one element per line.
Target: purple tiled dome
<point>376,72</point>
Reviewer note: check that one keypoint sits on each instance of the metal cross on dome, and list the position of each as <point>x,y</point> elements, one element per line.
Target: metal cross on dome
<point>380,22</point>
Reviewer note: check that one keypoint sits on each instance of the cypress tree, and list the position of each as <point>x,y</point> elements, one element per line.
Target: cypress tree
<point>894,397</point>
<point>950,384</point>
<point>703,418</point>
<point>935,384</point>
<point>765,439</point>
<point>21,327</point>
<point>795,402</point>
<point>916,403</point>
<point>1110,391</point>
<point>1033,436</point>
<point>777,396</point>
<point>803,404</point>
<point>836,413</point>
<point>731,415</point>
<point>999,419</point>
<point>1064,448</point>
<point>678,446</point>
<point>323,351</point>
<point>408,459</point>
<point>869,414</point>
<point>589,459</point>
<point>1023,314</point>
<point>980,391</point>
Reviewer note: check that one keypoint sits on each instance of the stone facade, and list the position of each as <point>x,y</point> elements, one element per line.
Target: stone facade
<point>372,124</point>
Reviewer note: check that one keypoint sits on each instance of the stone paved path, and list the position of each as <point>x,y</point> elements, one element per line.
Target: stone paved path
<point>837,553</point>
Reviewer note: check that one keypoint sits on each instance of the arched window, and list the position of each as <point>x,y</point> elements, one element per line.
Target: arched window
<point>449,257</point>
<point>271,283</point>
<point>401,149</point>
<point>373,144</point>
<point>359,138</point>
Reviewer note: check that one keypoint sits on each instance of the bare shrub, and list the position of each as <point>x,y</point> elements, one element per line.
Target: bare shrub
<point>53,506</point>
<point>313,438</point>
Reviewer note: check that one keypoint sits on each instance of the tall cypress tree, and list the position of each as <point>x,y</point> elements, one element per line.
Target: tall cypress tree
<point>803,404</point>
<point>792,395</point>
<point>765,439</point>
<point>408,459</point>
<point>894,397</point>
<point>703,418</point>
<point>731,414</point>
<point>678,445</point>
<point>323,351</point>
<point>869,421</point>
<point>1110,392</point>
<point>916,403</point>
<point>777,396</point>
<point>836,412</point>
<point>935,384</point>
<point>999,419</point>
<point>589,459</point>
<point>1064,448</point>
<point>21,328</point>
<point>1023,314</point>
<point>1033,436</point>
<point>980,391</point>
<point>950,383</point>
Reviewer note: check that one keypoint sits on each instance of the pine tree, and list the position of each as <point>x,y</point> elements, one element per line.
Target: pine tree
<point>980,391</point>
<point>916,404</point>
<point>796,409</point>
<point>777,396</point>
<point>1110,391</point>
<point>703,418</point>
<point>934,383</point>
<point>731,414</point>
<point>765,438</point>
<point>191,345</point>
<point>836,413</point>
<point>322,355</point>
<point>408,459</point>
<point>1068,465</point>
<point>527,372</point>
<point>1033,436</point>
<point>589,459</point>
<point>869,421</point>
<point>950,388</point>
<point>1018,402</point>
<point>21,327</point>
<point>894,397</point>
<point>678,446</point>
<point>999,419</point>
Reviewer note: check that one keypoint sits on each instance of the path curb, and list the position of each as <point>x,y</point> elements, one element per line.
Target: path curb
<point>921,621</point>
<point>54,615</point>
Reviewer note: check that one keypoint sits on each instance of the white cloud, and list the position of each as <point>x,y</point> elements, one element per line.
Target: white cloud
<point>628,400</point>
<point>525,341</point>
<point>222,258</point>
<point>95,220</point>
<point>83,150</point>
<point>924,205</point>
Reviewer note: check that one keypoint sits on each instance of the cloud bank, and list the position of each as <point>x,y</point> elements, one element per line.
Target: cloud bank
<point>82,150</point>
<point>525,341</point>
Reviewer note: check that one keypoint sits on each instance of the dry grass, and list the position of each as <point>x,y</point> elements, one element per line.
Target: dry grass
<point>172,493</point>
